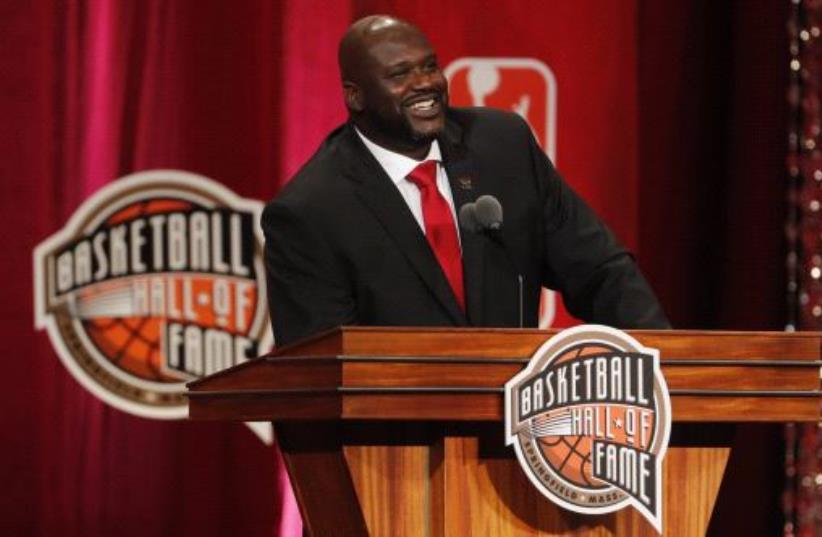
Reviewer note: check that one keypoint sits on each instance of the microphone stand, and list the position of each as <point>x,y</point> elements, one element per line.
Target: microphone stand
<point>495,234</point>
<point>485,216</point>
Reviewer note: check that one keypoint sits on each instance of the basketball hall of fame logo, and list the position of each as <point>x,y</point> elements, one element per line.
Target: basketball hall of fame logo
<point>156,280</point>
<point>589,418</point>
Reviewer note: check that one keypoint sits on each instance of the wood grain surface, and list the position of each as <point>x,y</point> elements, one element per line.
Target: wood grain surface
<point>447,374</point>
<point>321,479</point>
<point>394,488</point>
<point>471,486</point>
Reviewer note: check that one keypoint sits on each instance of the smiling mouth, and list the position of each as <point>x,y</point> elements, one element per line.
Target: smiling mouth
<point>423,105</point>
<point>425,108</point>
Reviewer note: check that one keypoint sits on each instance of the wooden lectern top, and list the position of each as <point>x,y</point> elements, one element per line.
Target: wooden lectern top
<point>359,373</point>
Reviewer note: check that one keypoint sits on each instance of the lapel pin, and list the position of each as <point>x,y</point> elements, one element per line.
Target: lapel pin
<point>465,183</point>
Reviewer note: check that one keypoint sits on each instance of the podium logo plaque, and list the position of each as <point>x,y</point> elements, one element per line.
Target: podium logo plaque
<point>589,419</point>
<point>156,280</point>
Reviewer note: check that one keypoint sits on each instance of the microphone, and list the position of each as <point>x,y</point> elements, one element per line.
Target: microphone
<point>489,212</point>
<point>484,216</point>
<point>468,218</point>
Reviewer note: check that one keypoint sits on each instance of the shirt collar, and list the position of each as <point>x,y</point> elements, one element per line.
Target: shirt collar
<point>398,166</point>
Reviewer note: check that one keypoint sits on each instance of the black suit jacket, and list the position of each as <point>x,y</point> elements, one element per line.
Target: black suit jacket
<point>343,248</point>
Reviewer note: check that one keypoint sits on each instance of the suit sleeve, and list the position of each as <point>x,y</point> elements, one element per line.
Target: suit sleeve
<point>307,288</point>
<point>598,278</point>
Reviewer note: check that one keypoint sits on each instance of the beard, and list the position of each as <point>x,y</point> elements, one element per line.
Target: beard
<point>400,130</point>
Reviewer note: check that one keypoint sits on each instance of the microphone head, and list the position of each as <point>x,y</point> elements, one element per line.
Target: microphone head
<point>488,212</point>
<point>468,217</point>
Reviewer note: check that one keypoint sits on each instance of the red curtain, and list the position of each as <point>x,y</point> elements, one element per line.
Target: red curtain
<point>92,91</point>
<point>664,124</point>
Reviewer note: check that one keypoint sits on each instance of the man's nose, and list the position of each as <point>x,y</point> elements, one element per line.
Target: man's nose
<point>424,78</point>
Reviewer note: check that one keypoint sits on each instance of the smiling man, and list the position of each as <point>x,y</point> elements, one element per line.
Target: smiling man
<point>393,87</point>
<point>366,232</point>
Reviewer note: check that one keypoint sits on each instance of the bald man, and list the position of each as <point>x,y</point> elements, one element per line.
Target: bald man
<point>366,233</point>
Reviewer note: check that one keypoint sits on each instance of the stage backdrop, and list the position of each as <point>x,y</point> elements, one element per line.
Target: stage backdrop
<point>243,92</point>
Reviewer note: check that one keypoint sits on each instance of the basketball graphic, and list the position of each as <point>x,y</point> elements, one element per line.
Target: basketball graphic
<point>589,419</point>
<point>155,281</point>
<point>132,342</point>
<point>570,454</point>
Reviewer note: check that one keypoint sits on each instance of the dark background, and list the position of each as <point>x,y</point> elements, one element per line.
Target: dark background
<point>713,115</point>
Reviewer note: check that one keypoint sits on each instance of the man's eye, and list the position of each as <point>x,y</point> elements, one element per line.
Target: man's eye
<point>398,74</point>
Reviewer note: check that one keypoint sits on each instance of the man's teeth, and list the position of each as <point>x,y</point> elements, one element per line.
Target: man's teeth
<point>423,105</point>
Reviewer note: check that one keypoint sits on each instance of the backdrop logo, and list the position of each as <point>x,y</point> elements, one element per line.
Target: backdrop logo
<point>589,418</point>
<point>525,86</point>
<point>522,85</point>
<point>156,280</point>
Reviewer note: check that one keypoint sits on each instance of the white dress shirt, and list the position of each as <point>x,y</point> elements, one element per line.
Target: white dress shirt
<point>398,167</point>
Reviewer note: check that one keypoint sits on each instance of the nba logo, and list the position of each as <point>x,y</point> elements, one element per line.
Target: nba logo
<point>522,85</point>
<point>527,87</point>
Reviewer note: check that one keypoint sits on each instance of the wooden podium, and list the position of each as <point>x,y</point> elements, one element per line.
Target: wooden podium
<point>398,431</point>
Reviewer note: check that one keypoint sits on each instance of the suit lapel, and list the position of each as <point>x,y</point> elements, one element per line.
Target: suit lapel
<point>377,192</point>
<point>464,178</point>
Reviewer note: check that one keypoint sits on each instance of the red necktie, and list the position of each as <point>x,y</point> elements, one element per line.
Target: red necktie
<point>439,226</point>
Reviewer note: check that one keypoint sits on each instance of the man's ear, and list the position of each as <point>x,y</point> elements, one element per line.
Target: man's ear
<point>353,96</point>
